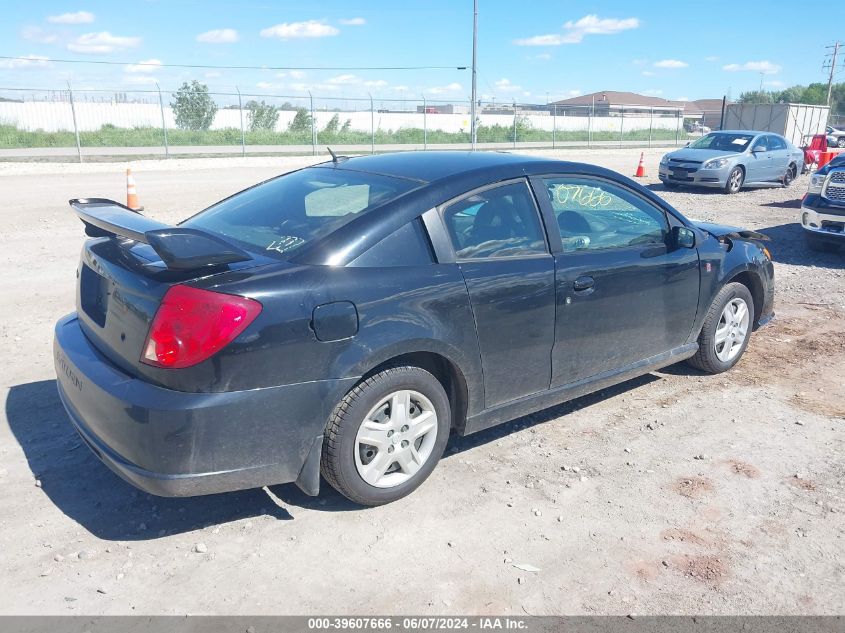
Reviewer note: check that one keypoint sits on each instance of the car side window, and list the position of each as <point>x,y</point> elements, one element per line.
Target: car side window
<point>406,246</point>
<point>776,142</point>
<point>499,222</point>
<point>596,215</point>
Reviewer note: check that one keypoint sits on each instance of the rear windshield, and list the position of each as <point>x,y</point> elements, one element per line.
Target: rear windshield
<point>724,142</point>
<point>282,215</point>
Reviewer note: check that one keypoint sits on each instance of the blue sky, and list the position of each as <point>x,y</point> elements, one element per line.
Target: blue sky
<point>528,51</point>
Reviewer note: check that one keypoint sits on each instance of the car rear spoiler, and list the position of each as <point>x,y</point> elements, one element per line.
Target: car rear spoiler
<point>180,248</point>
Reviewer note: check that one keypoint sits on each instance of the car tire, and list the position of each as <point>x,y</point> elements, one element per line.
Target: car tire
<point>789,176</point>
<point>735,180</point>
<point>398,460</point>
<point>713,357</point>
<point>817,245</point>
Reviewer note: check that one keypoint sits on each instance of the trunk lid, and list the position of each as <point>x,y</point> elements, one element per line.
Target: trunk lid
<point>122,279</point>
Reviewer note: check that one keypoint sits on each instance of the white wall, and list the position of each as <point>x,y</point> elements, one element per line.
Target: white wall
<point>56,116</point>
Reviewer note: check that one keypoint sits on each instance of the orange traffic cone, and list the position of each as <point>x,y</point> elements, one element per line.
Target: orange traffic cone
<point>640,168</point>
<point>131,192</point>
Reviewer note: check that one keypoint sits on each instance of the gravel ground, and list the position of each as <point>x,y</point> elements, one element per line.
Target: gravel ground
<point>675,493</point>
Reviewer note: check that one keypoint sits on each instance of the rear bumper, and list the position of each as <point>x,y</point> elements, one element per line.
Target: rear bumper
<point>173,443</point>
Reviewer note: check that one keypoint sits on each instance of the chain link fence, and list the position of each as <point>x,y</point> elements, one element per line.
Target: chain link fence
<point>72,122</point>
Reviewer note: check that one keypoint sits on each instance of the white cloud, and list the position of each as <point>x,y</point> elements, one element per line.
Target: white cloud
<point>574,32</point>
<point>297,74</point>
<point>353,21</point>
<point>291,30</point>
<point>27,61</point>
<point>144,66</point>
<point>505,85</point>
<point>102,43</point>
<point>439,90</point>
<point>648,73</point>
<point>765,67</point>
<point>139,80</point>
<point>400,88</point>
<point>79,17</point>
<point>670,63</point>
<point>218,36</point>
<point>264,85</point>
<point>573,93</point>
<point>375,83</point>
<point>344,79</point>
<point>37,34</point>
<point>323,87</point>
<point>212,74</point>
<point>711,58</point>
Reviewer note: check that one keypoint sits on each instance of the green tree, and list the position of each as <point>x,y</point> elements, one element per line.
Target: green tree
<point>193,108</point>
<point>794,94</point>
<point>816,94</point>
<point>332,126</point>
<point>757,96</point>
<point>262,116</point>
<point>347,127</point>
<point>301,121</point>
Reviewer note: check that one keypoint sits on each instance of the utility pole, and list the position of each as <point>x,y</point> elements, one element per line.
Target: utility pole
<point>474,70</point>
<point>835,48</point>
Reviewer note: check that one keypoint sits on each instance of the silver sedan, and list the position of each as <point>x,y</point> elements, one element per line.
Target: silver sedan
<point>730,160</point>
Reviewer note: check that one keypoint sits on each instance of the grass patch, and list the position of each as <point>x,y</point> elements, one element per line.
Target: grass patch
<point>111,136</point>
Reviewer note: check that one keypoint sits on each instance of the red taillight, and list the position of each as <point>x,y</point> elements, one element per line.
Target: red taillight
<point>192,324</point>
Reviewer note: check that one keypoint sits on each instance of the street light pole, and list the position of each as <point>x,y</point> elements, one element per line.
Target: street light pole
<point>474,70</point>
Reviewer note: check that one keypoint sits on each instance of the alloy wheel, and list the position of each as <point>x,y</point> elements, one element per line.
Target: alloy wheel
<point>395,439</point>
<point>732,330</point>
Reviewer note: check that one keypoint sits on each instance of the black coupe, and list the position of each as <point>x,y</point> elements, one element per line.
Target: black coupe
<point>345,318</point>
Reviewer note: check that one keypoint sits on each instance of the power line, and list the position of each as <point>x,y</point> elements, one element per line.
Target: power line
<point>113,63</point>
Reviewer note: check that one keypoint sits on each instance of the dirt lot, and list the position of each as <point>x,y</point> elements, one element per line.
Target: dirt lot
<point>674,493</point>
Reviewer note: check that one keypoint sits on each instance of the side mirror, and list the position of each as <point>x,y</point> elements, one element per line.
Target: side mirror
<point>687,144</point>
<point>683,237</point>
<point>758,150</point>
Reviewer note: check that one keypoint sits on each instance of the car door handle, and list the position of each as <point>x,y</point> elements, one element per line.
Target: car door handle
<point>583,283</point>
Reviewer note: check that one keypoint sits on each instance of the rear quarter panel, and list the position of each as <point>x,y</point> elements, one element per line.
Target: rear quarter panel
<point>400,310</point>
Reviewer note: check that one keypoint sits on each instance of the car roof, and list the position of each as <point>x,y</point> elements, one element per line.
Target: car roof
<point>751,132</point>
<point>436,165</point>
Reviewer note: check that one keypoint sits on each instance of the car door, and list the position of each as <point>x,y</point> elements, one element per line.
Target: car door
<point>500,246</point>
<point>624,293</point>
<point>780,156</point>
<point>760,164</point>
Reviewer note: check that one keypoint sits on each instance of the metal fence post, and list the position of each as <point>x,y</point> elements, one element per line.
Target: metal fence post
<point>650,123</point>
<point>514,124</point>
<point>621,125</point>
<point>678,128</point>
<point>163,124</point>
<point>425,124</point>
<point>372,126</point>
<point>75,126</point>
<point>241,111</point>
<point>590,113</point>
<point>313,127</point>
<point>554,125</point>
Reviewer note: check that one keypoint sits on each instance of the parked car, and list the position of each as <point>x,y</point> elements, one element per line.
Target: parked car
<point>835,137</point>
<point>344,319</point>
<point>730,160</point>
<point>823,207</point>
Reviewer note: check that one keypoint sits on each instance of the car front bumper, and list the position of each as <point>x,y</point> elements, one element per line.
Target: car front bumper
<point>174,443</point>
<point>824,226</point>
<point>717,178</point>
